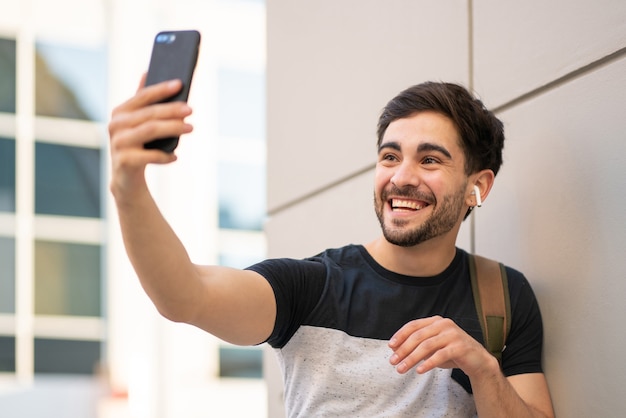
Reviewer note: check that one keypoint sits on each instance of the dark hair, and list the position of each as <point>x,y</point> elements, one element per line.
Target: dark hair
<point>482,134</point>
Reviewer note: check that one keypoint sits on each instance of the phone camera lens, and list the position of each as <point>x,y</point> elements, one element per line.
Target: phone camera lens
<point>165,38</point>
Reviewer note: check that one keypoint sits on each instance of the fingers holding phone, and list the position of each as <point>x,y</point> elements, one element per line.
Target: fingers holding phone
<point>138,121</point>
<point>147,107</point>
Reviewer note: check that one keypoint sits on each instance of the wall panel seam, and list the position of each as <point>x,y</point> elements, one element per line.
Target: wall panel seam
<point>470,78</point>
<point>558,82</point>
<point>316,192</point>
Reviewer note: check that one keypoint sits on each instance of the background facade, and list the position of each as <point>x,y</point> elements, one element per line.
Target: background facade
<point>554,72</point>
<point>77,334</point>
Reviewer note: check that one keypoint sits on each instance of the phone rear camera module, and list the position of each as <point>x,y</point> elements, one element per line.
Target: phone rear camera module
<point>165,38</point>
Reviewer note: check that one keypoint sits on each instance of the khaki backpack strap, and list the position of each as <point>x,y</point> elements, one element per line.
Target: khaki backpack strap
<point>491,296</point>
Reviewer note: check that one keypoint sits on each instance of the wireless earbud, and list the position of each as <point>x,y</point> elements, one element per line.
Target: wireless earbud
<point>479,201</point>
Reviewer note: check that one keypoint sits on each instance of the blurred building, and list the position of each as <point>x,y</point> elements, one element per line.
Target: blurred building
<point>77,334</point>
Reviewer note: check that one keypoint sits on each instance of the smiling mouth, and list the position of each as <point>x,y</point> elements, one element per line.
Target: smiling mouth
<point>406,205</point>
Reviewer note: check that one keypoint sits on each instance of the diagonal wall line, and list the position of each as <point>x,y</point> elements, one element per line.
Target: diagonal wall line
<point>319,190</point>
<point>579,72</point>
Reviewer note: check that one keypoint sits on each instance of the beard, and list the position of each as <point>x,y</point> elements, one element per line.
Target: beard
<point>442,220</point>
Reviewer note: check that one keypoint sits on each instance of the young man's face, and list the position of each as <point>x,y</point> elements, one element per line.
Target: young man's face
<point>421,189</point>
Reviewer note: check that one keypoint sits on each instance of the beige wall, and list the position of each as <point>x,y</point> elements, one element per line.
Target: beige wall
<point>556,75</point>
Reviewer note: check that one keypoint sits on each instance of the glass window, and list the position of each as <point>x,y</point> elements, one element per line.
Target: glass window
<point>7,75</point>
<point>70,82</point>
<point>241,362</point>
<point>238,261</point>
<point>241,194</point>
<point>67,180</point>
<point>66,356</point>
<point>7,175</point>
<point>7,275</point>
<point>67,279</point>
<point>241,104</point>
<point>7,354</point>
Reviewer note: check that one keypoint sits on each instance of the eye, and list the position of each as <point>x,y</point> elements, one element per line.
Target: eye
<point>388,157</point>
<point>430,160</point>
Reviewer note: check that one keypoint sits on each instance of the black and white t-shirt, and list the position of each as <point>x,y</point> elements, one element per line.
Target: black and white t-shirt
<point>336,312</point>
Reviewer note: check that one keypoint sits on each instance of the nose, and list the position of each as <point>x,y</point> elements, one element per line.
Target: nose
<point>405,175</point>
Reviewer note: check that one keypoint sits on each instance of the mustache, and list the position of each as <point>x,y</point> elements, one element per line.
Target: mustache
<point>408,192</point>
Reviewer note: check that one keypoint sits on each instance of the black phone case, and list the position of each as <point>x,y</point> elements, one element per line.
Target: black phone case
<point>174,56</point>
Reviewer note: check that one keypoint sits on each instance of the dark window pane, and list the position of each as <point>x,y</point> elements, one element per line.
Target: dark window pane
<point>7,275</point>
<point>7,354</point>
<point>67,180</point>
<point>7,175</point>
<point>241,362</point>
<point>66,356</point>
<point>7,75</point>
<point>67,279</point>
<point>70,82</point>
<point>241,104</point>
<point>241,194</point>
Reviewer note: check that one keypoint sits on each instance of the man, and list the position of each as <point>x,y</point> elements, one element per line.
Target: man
<point>383,329</point>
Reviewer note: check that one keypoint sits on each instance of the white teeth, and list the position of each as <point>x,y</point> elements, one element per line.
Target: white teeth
<point>406,204</point>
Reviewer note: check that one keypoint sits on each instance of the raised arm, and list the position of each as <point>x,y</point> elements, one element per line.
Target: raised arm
<point>235,305</point>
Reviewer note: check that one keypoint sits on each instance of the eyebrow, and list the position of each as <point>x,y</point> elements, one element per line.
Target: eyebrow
<point>392,145</point>
<point>428,146</point>
<point>424,147</point>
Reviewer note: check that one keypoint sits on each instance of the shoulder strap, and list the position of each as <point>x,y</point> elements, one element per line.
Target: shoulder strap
<point>491,296</point>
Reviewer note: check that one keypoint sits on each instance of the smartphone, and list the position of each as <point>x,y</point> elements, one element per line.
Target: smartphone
<point>174,56</point>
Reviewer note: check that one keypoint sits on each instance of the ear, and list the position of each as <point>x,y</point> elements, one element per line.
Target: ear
<point>480,182</point>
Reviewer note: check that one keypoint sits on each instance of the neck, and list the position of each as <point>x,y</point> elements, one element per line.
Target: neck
<point>424,260</point>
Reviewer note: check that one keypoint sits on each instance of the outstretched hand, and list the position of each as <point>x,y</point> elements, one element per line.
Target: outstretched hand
<point>140,120</point>
<point>433,342</point>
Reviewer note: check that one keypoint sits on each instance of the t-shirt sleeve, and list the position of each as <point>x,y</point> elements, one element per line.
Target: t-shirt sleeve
<point>297,286</point>
<point>525,341</point>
